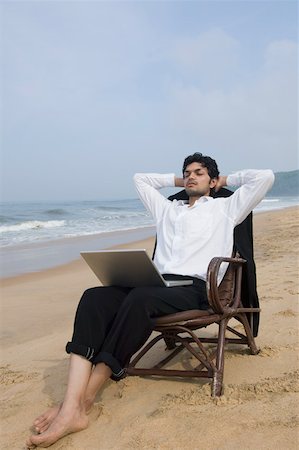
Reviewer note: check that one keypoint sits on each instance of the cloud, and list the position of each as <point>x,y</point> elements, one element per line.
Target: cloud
<point>255,117</point>
<point>211,50</point>
<point>87,84</point>
<point>207,59</point>
<point>281,54</point>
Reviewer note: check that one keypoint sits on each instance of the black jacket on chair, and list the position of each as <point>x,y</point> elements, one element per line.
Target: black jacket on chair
<point>243,243</point>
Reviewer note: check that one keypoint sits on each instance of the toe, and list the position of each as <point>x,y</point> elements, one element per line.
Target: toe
<point>38,420</point>
<point>43,429</point>
<point>38,427</point>
<point>29,444</point>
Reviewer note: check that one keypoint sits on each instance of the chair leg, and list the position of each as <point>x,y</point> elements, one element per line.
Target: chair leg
<point>218,373</point>
<point>251,342</point>
<point>217,384</point>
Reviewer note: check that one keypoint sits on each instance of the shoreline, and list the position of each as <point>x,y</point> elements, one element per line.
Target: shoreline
<point>42,256</point>
<point>127,239</point>
<point>74,266</point>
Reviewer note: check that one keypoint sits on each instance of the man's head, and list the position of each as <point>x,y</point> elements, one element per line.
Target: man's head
<point>200,175</point>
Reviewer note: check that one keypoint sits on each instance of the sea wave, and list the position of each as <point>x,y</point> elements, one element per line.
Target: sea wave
<point>31,225</point>
<point>110,208</point>
<point>25,223</point>
<point>56,212</point>
<point>126,216</point>
<point>4,219</point>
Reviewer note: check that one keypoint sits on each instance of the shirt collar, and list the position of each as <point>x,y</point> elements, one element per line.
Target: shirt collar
<point>203,199</point>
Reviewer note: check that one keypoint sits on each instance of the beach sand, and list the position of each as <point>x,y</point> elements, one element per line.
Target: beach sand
<point>259,408</point>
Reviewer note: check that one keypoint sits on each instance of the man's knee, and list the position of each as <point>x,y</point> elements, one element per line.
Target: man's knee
<point>91,293</point>
<point>141,299</point>
<point>96,297</point>
<point>98,292</point>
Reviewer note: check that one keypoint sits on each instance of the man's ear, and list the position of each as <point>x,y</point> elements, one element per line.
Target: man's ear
<point>213,182</point>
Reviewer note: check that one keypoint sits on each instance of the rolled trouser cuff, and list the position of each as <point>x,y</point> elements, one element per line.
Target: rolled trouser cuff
<point>82,350</point>
<point>118,372</point>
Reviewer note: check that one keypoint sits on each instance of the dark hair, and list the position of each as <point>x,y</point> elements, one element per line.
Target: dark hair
<point>205,161</point>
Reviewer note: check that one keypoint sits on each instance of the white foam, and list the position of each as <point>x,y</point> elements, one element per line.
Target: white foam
<point>270,200</point>
<point>31,225</point>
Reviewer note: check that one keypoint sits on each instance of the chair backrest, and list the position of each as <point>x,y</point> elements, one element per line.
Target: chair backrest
<point>243,244</point>
<point>226,288</point>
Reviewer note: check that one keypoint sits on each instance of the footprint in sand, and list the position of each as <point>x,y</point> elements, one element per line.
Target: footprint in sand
<point>286,313</point>
<point>8,376</point>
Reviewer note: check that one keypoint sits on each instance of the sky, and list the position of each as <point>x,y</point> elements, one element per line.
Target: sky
<point>94,91</point>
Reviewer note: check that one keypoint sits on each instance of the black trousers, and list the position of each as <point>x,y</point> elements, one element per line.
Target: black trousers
<point>112,323</point>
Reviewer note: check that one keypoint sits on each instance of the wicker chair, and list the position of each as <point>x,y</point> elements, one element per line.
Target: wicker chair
<point>180,330</point>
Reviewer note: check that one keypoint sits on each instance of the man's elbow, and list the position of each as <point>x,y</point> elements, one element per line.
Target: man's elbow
<point>270,178</point>
<point>137,177</point>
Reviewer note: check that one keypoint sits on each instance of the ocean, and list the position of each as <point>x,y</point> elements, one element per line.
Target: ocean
<point>35,236</point>
<point>22,223</point>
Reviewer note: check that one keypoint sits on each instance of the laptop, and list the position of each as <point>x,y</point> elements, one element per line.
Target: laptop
<point>130,268</point>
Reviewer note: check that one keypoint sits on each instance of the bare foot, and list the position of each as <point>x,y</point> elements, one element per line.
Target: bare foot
<point>64,423</point>
<point>43,421</point>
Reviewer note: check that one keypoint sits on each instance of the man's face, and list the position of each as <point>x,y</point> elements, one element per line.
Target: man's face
<point>197,181</point>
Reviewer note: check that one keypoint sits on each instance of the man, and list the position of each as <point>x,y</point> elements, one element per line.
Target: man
<point>112,323</point>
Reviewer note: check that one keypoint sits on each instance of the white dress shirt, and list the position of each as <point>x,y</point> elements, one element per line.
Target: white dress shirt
<point>189,237</point>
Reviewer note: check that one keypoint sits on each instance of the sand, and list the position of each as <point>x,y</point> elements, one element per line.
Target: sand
<point>259,408</point>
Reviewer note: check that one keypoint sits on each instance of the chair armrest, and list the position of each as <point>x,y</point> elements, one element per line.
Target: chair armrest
<point>233,278</point>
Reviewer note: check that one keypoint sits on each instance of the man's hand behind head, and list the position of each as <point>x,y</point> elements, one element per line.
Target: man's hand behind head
<point>221,182</point>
